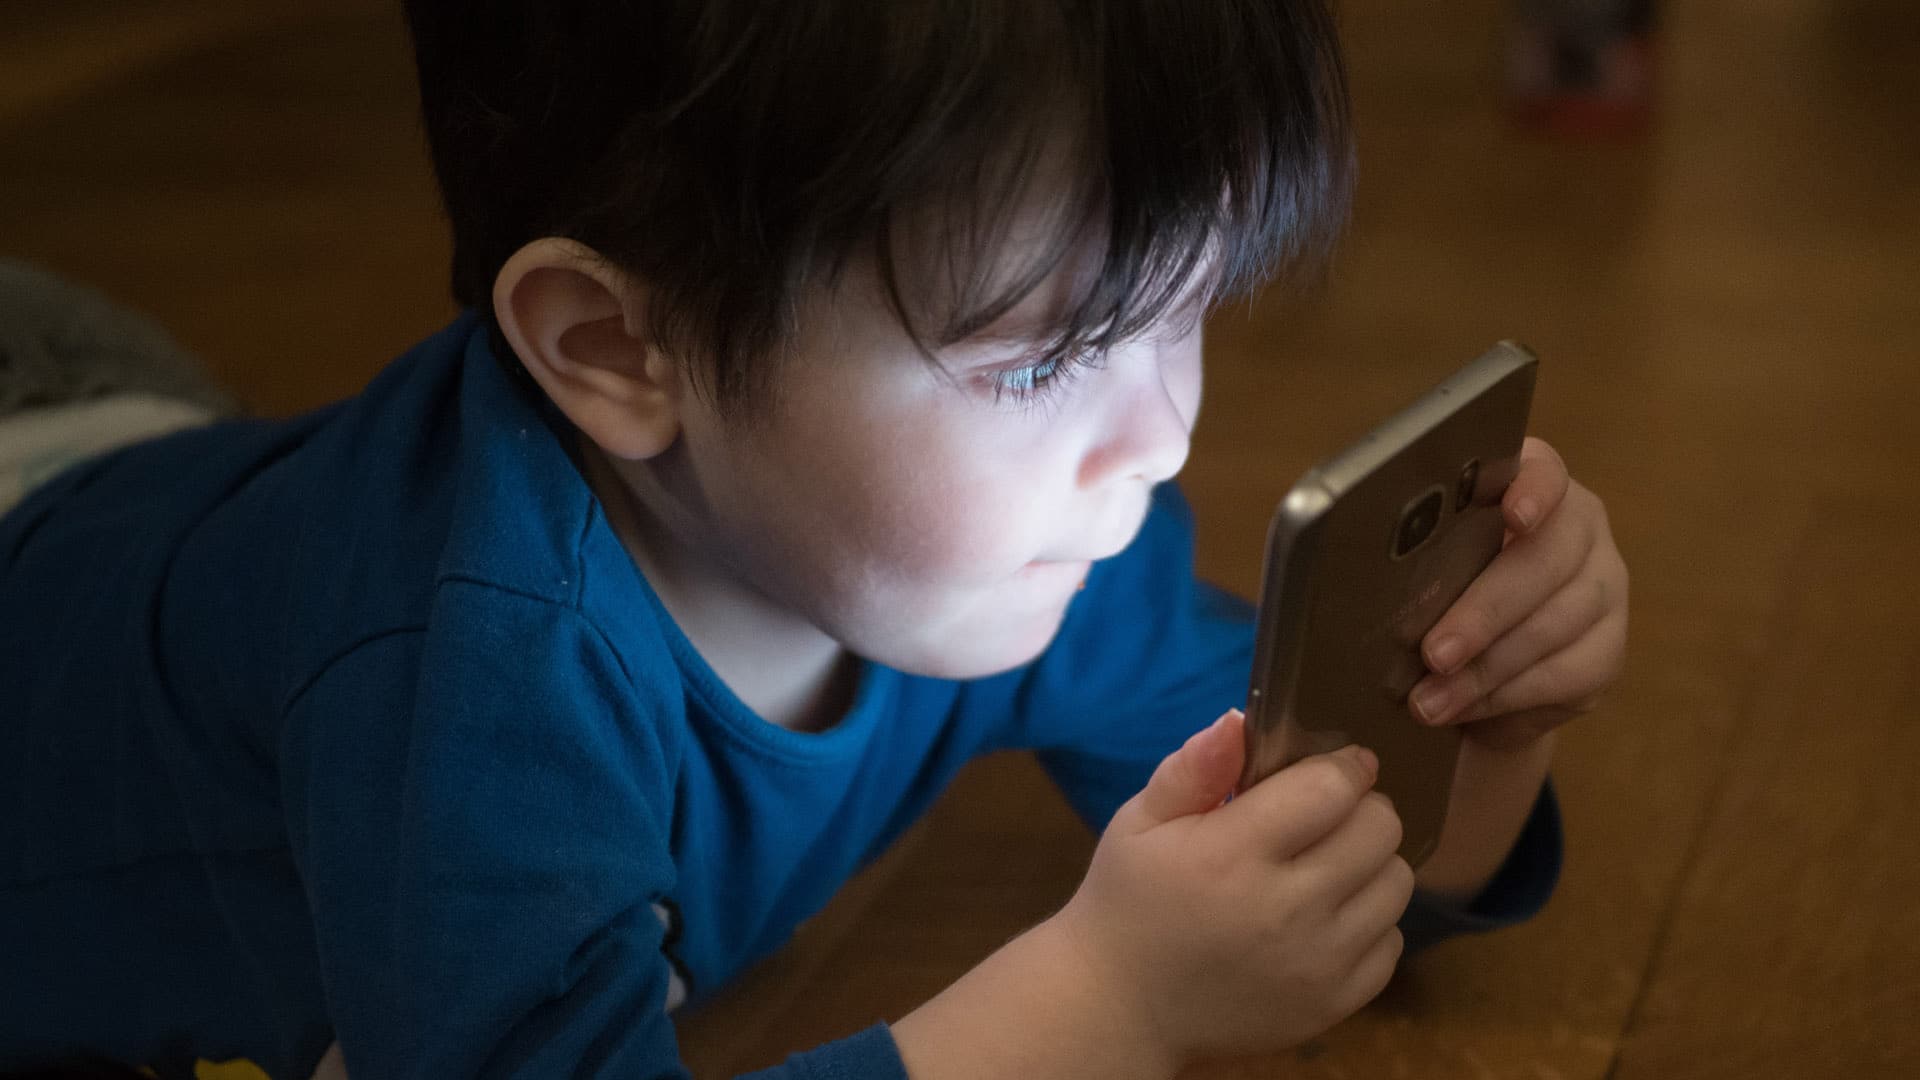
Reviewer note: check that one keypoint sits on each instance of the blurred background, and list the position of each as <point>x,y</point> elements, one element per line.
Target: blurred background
<point>1722,278</point>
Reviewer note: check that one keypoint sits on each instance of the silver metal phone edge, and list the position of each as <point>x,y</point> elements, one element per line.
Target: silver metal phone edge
<point>1290,536</point>
<point>1352,464</point>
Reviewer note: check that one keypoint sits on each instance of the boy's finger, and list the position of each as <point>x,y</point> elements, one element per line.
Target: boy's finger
<point>1301,803</point>
<point>1376,903</point>
<point>1193,779</point>
<point>1537,488</point>
<point>1372,972</point>
<point>1567,614</point>
<point>1572,678</point>
<point>1512,587</point>
<point>1351,853</point>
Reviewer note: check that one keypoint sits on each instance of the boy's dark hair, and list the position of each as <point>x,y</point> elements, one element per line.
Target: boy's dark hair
<point>731,154</point>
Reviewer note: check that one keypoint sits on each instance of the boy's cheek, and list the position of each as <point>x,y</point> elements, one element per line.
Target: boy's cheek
<point>972,529</point>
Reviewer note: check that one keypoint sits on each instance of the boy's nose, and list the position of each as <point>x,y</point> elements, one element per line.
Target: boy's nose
<point>1148,429</point>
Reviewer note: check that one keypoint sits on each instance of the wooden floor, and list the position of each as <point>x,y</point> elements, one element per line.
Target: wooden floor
<point>1729,315</point>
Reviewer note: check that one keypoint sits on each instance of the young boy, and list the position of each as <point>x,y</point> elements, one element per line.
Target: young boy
<point>808,434</point>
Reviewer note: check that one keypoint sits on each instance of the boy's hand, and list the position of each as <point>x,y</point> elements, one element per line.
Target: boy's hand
<point>1543,630</point>
<point>1248,926</point>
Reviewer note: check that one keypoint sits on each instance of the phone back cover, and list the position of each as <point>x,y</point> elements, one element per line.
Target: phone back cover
<point>1339,660</point>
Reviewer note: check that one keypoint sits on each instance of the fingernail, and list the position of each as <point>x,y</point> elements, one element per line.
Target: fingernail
<point>1430,701</point>
<point>1524,512</point>
<point>1368,759</point>
<point>1447,652</point>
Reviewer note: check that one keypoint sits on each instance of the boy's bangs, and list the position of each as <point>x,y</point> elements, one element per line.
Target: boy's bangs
<point>1181,155</point>
<point>735,154</point>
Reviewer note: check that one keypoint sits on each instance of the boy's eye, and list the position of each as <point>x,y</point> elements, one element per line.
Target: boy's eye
<point>1031,383</point>
<point>1026,380</point>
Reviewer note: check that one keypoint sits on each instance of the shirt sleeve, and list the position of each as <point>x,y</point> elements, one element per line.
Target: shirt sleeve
<point>1149,655</point>
<point>480,814</point>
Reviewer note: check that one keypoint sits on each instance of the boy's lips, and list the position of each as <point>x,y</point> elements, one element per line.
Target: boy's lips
<point>1106,551</point>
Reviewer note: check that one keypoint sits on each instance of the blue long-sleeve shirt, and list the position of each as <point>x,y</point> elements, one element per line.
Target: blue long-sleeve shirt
<point>364,726</point>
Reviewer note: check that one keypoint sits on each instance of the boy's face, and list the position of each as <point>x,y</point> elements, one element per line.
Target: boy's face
<point>915,515</point>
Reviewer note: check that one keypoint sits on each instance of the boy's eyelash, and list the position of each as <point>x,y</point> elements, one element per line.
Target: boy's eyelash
<point>1034,382</point>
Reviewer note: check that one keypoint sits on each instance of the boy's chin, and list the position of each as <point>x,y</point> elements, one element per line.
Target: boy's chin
<point>960,669</point>
<point>977,656</point>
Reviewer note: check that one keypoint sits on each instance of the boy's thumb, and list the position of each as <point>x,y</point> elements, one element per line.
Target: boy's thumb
<point>1198,776</point>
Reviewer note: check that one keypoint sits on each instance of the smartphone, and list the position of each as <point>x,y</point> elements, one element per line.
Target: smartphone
<point>1364,555</point>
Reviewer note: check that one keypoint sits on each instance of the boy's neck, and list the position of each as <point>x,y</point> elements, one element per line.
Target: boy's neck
<point>782,667</point>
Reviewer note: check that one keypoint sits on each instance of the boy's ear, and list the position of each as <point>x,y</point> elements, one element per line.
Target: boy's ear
<point>573,320</point>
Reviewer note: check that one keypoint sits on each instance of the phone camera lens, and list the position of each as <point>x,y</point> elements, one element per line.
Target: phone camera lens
<point>1463,488</point>
<point>1417,522</point>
